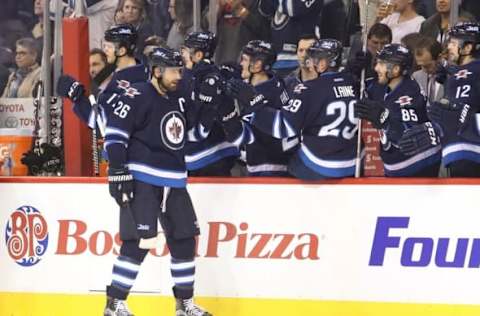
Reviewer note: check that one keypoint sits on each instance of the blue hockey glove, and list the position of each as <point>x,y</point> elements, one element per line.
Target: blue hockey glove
<point>202,68</point>
<point>245,94</point>
<point>68,87</point>
<point>227,111</point>
<point>373,111</point>
<point>120,182</point>
<point>443,71</point>
<point>210,89</point>
<point>231,70</point>
<point>419,138</point>
<point>441,114</point>
<point>361,61</point>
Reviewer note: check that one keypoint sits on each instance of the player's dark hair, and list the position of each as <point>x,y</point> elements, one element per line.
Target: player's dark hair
<point>380,30</point>
<point>307,36</point>
<point>98,51</point>
<point>429,44</point>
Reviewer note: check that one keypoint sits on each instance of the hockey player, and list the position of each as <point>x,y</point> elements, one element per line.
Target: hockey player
<point>145,139</point>
<point>128,71</point>
<point>456,115</point>
<point>265,155</point>
<point>321,112</point>
<point>213,155</point>
<point>395,106</point>
<point>303,72</point>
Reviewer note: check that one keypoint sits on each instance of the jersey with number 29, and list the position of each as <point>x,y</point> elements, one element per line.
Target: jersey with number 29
<point>321,111</point>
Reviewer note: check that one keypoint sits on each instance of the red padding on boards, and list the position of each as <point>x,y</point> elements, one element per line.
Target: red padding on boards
<point>78,148</point>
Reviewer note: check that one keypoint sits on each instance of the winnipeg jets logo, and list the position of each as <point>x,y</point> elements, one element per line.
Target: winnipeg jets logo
<point>172,129</point>
<point>131,92</point>
<point>462,74</point>
<point>404,100</point>
<point>299,88</point>
<point>123,84</point>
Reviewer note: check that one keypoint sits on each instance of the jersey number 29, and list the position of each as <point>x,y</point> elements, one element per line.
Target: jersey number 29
<point>342,110</point>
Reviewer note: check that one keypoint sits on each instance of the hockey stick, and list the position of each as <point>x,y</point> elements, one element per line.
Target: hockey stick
<point>100,123</point>
<point>128,226</point>
<point>96,166</point>
<point>358,159</point>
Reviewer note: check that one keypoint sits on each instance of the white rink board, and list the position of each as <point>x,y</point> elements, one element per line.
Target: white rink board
<point>331,227</point>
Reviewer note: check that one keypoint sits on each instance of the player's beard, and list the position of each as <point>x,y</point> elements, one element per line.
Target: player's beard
<point>453,58</point>
<point>383,78</point>
<point>168,85</point>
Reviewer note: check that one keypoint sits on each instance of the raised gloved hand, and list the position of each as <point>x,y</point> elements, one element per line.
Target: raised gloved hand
<point>419,138</point>
<point>245,94</point>
<point>443,71</point>
<point>68,87</point>
<point>361,61</point>
<point>373,111</point>
<point>120,182</point>
<point>210,89</point>
<point>202,68</point>
<point>231,70</point>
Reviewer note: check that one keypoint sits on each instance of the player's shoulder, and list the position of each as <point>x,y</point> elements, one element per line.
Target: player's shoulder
<point>138,92</point>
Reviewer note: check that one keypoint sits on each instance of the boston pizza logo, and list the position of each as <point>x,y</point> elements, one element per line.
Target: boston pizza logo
<point>172,129</point>
<point>26,236</point>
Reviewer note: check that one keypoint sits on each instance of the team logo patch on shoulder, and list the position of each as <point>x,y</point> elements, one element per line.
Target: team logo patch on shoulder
<point>462,74</point>
<point>123,84</point>
<point>172,129</point>
<point>404,100</point>
<point>129,90</point>
<point>299,88</point>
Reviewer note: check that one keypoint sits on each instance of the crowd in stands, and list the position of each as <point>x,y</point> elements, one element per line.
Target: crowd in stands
<point>420,25</point>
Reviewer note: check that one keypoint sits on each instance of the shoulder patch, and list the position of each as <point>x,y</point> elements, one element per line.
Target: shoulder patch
<point>299,88</point>
<point>404,101</point>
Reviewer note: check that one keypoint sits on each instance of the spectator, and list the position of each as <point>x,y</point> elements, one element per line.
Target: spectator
<point>100,18</point>
<point>159,16</point>
<point>133,12</point>
<point>239,22</point>
<point>438,24</point>
<point>181,14</point>
<point>21,82</point>
<point>427,53</point>
<point>37,31</point>
<point>404,20</point>
<point>290,19</point>
<point>378,36</point>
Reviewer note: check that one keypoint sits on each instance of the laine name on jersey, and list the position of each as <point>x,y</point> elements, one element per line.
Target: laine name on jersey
<point>343,91</point>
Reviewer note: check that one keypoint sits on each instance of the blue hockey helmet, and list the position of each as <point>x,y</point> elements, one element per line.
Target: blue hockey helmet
<point>203,41</point>
<point>165,57</point>
<point>261,50</point>
<point>329,49</point>
<point>125,35</point>
<point>397,54</point>
<point>468,33</point>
